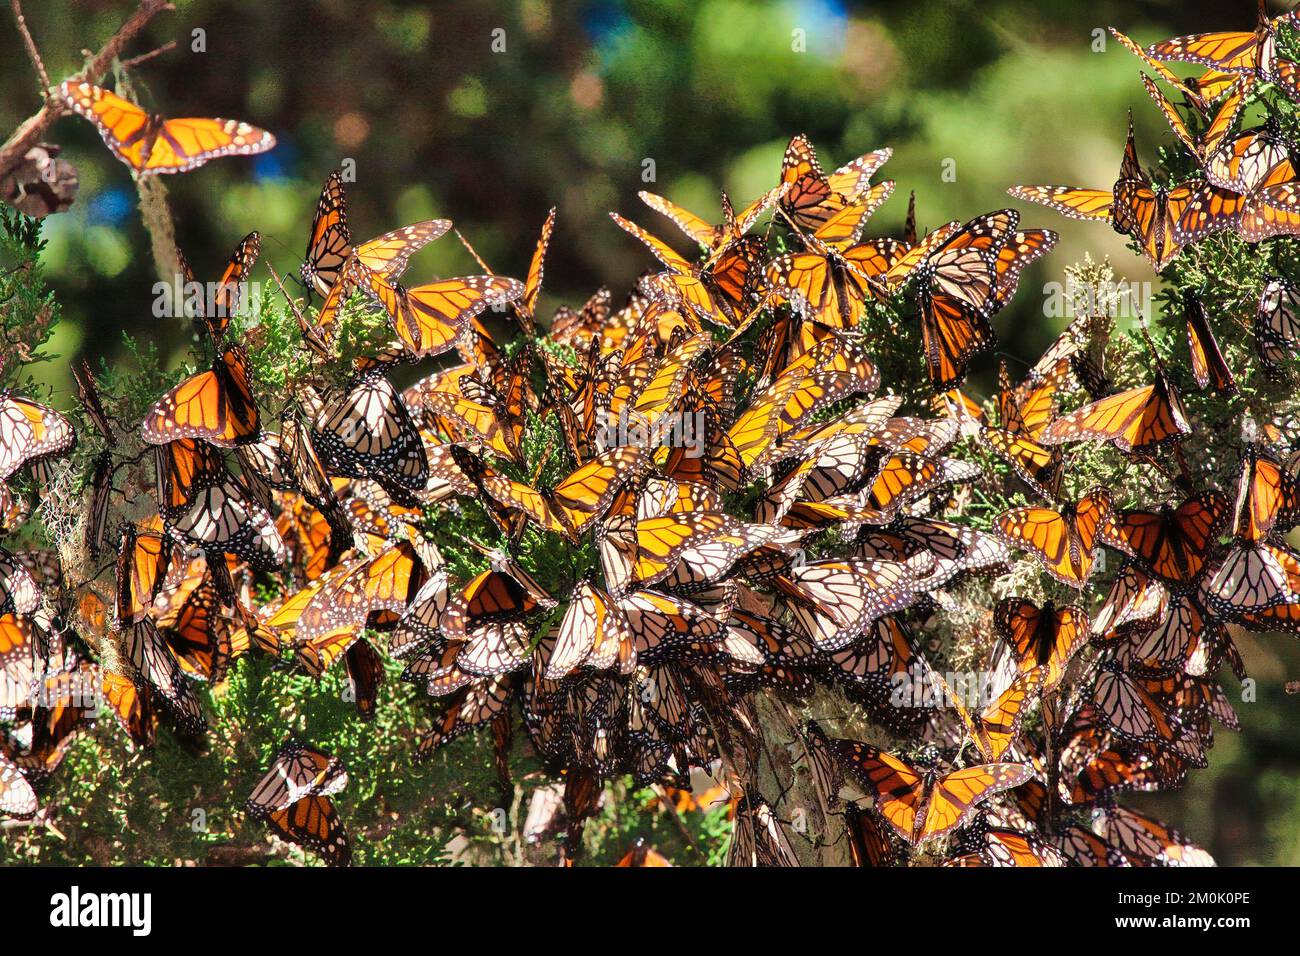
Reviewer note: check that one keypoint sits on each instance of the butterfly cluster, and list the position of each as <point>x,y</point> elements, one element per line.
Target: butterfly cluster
<point>622,536</point>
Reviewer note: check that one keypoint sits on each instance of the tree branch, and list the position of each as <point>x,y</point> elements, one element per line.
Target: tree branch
<point>135,61</point>
<point>31,130</point>
<point>33,54</point>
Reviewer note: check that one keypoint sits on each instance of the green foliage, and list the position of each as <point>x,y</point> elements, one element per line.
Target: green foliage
<point>28,309</point>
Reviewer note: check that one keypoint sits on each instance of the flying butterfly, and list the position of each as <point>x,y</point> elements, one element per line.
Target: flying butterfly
<point>150,144</point>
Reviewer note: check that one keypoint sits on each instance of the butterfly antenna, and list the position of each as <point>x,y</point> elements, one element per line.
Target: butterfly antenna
<point>1151,345</point>
<point>473,252</point>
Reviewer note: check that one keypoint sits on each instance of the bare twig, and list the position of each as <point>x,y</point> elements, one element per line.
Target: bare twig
<point>135,61</point>
<point>34,127</point>
<point>30,44</point>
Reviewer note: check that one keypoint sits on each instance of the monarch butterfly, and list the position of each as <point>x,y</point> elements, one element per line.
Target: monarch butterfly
<point>719,464</point>
<point>1246,53</point>
<point>298,771</point>
<point>335,614</point>
<point>956,549</point>
<point>1263,204</point>
<point>17,644</point>
<point>1143,838</point>
<point>921,804</point>
<point>1095,764</point>
<point>1186,638</point>
<point>1127,708</point>
<point>1137,421</point>
<point>152,664</point>
<point>994,846</point>
<point>1023,414</point>
<point>704,561</point>
<point>1218,126</point>
<point>1065,542</point>
<point>1074,202</point>
<point>482,420</point>
<point>215,405</point>
<point>430,318</point>
<point>1252,159</point>
<point>714,293</point>
<point>204,503</point>
<point>997,726</point>
<point>871,418</point>
<point>196,627</point>
<point>1268,497</point>
<point>810,196</point>
<point>1161,220</point>
<point>29,433</point>
<point>19,592</point>
<point>330,253</point>
<point>1254,576</point>
<point>368,433</point>
<point>666,627</point>
<point>59,710</point>
<point>758,839</point>
<point>533,281</point>
<point>643,855</point>
<point>900,479</point>
<point>143,558</point>
<point>293,798</point>
<point>593,633</point>
<point>150,144</point>
<point>959,291</point>
<point>870,844</point>
<point>789,661</point>
<point>1045,637</point>
<point>572,505</point>
<point>832,370</point>
<point>1277,324</point>
<point>1135,600</point>
<point>503,592</point>
<point>471,707</point>
<point>579,328</point>
<point>825,282</point>
<point>17,798</point>
<point>1192,90</point>
<point>1082,847</point>
<point>714,238</point>
<point>837,464</point>
<point>1208,365</point>
<point>132,707</point>
<point>217,312</point>
<point>835,602</point>
<point>1171,543</point>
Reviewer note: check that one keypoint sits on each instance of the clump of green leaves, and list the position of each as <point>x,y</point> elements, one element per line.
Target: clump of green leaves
<point>28,309</point>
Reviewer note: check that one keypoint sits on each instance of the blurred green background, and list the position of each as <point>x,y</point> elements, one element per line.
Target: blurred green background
<point>1010,91</point>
